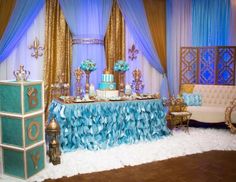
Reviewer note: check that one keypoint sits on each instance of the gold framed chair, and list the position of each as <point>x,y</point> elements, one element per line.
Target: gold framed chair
<point>229,116</point>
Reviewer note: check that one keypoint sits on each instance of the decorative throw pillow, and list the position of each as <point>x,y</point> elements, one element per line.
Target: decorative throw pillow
<point>193,99</point>
<point>186,88</point>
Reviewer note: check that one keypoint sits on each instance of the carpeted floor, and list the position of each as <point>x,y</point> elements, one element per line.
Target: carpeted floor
<point>180,143</point>
<point>144,157</point>
<point>209,166</point>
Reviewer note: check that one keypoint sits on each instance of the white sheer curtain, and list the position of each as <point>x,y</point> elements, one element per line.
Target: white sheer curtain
<point>151,77</point>
<point>179,33</point>
<point>22,54</point>
<point>87,20</point>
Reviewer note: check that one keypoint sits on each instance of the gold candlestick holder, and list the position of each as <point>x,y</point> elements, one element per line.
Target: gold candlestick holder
<point>122,84</point>
<point>87,73</point>
<point>60,88</point>
<point>79,75</point>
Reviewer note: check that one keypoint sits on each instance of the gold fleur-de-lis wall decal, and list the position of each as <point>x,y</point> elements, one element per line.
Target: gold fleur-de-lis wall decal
<point>38,50</point>
<point>133,53</point>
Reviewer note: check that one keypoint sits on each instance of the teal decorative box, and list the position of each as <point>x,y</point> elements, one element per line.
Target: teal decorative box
<point>21,97</point>
<point>23,163</point>
<point>22,145</point>
<point>22,132</point>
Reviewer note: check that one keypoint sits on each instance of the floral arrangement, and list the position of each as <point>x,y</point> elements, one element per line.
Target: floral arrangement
<point>121,66</point>
<point>88,65</point>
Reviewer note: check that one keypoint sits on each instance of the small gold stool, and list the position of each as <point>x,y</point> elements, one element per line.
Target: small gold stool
<point>180,119</point>
<point>177,116</point>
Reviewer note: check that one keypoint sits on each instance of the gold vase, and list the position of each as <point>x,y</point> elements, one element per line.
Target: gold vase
<point>79,73</point>
<point>122,84</point>
<point>87,73</point>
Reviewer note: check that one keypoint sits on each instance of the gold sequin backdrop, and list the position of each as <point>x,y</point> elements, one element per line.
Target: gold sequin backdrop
<point>6,7</point>
<point>58,48</point>
<point>115,39</point>
<point>58,44</point>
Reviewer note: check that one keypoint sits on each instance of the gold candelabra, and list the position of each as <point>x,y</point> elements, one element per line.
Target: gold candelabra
<point>137,84</point>
<point>87,74</point>
<point>79,75</point>
<point>60,87</point>
<point>122,84</point>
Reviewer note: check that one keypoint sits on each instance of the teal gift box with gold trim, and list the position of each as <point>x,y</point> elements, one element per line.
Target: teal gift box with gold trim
<point>21,97</point>
<point>22,152</point>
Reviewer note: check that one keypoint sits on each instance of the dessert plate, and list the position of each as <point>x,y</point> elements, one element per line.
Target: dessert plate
<point>115,99</point>
<point>82,101</point>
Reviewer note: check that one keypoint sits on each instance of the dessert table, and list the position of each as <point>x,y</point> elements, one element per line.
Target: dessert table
<point>100,125</point>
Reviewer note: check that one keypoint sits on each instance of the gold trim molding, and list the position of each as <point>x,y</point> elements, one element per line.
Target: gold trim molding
<point>87,41</point>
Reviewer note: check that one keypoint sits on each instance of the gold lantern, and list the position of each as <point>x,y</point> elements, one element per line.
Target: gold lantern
<point>53,130</point>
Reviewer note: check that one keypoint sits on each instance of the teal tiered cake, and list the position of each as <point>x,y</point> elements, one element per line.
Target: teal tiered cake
<point>22,146</point>
<point>107,82</point>
<point>107,88</point>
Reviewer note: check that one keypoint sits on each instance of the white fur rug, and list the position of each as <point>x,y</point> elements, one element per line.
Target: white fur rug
<point>178,144</point>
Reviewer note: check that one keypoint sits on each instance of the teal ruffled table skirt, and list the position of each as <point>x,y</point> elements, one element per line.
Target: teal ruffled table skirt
<point>101,125</point>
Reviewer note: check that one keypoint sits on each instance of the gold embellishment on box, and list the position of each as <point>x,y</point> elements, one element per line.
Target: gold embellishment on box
<point>33,99</point>
<point>35,158</point>
<point>30,134</point>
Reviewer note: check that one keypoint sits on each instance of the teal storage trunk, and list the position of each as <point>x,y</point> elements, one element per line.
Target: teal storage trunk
<point>22,136</point>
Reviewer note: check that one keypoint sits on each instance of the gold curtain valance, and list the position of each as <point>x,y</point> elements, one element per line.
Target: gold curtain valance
<point>6,8</point>
<point>156,15</point>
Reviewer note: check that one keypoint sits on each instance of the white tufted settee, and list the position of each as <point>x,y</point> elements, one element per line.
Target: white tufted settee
<point>215,99</point>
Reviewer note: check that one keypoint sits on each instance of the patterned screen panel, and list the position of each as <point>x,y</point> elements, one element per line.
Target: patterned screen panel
<point>226,66</point>
<point>188,65</point>
<point>208,65</point>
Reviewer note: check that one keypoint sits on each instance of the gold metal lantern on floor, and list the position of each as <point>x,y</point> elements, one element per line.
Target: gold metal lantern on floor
<point>53,131</point>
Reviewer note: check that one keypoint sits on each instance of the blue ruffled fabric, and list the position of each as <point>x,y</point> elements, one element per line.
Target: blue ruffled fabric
<point>102,125</point>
